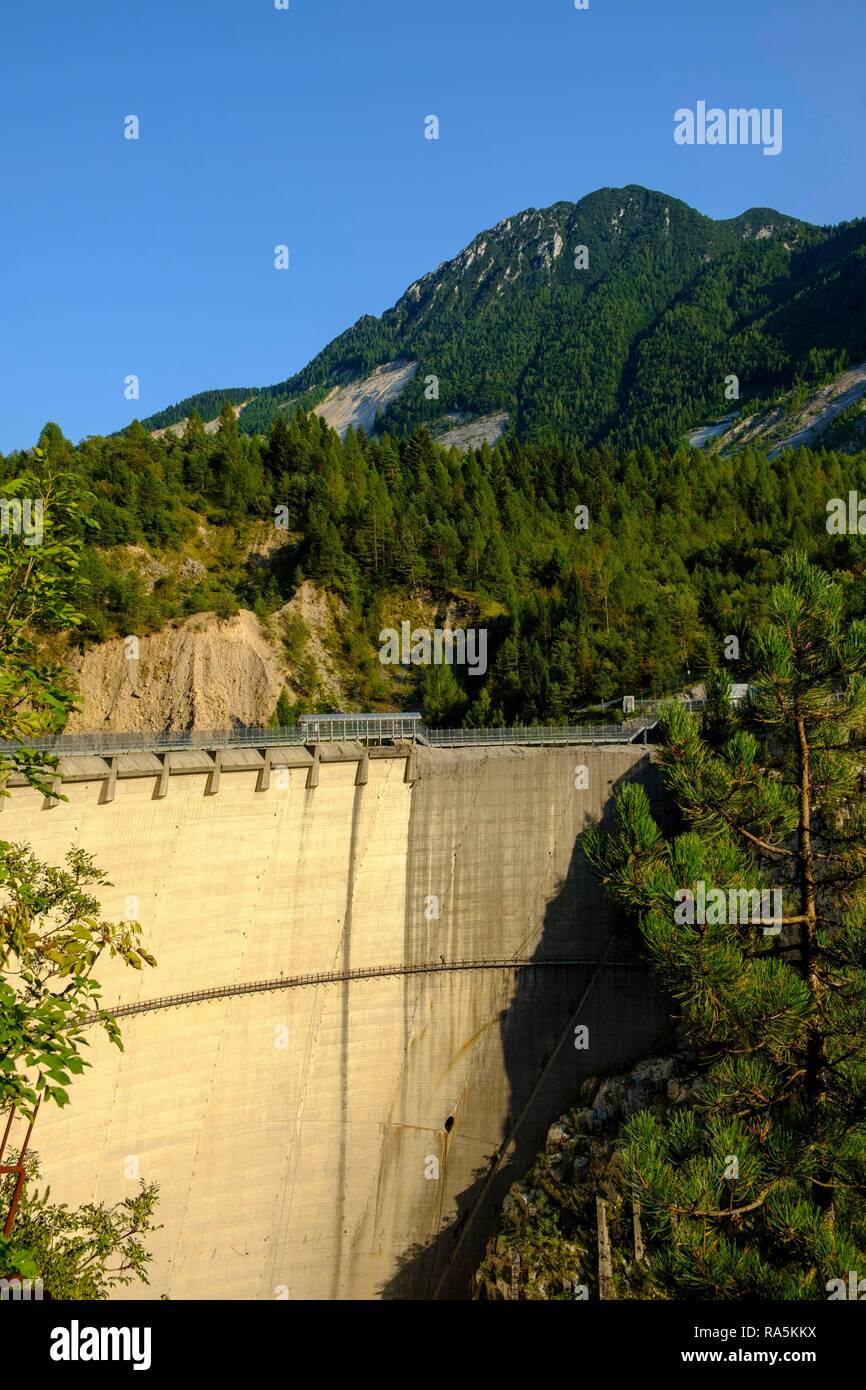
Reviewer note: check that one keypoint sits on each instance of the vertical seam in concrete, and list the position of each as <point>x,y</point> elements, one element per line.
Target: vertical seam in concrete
<point>208,1099</point>
<point>368,837</point>
<point>388,1124</point>
<point>288,1187</point>
<point>344,1042</point>
<point>296,1139</point>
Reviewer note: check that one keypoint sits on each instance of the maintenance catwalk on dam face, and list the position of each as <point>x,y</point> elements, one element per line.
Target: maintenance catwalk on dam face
<point>333,1138</point>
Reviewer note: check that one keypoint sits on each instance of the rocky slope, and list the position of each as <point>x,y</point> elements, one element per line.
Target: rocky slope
<point>214,672</point>
<point>567,1231</point>
<point>833,415</point>
<point>359,403</point>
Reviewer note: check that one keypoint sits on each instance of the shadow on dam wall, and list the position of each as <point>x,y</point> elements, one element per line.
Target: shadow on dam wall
<point>618,1002</point>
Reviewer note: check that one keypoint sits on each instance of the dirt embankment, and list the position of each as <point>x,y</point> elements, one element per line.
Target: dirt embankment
<point>204,673</point>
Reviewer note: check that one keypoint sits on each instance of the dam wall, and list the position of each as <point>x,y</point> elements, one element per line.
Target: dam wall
<point>346,1137</point>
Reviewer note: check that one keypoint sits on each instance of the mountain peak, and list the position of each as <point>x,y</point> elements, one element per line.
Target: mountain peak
<point>617,317</point>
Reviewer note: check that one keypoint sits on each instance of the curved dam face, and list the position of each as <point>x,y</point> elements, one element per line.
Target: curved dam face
<point>338,1137</point>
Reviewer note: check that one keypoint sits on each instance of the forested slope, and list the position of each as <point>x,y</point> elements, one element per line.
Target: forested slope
<point>678,552</point>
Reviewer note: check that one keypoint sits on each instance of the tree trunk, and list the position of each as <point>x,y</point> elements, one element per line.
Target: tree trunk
<point>814,1061</point>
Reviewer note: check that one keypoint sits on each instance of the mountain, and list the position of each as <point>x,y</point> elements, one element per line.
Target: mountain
<point>629,342</point>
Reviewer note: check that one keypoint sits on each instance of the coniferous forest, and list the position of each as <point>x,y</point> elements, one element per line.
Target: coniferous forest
<point>674,554</point>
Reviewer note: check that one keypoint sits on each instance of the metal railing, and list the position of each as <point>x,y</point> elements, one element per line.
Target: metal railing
<point>540,735</point>
<point>175,740</point>
<point>349,728</point>
<point>328,729</point>
<point>368,972</point>
<point>366,728</point>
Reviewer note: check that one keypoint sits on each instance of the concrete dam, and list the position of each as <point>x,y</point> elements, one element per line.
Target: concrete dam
<point>371,965</point>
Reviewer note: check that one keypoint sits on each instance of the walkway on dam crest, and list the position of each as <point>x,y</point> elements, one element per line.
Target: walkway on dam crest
<point>369,729</point>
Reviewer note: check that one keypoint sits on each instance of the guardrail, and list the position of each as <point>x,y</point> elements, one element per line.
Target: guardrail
<point>540,735</point>
<point>173,741</point>
<point>349,728</point>
<point>326,730</point>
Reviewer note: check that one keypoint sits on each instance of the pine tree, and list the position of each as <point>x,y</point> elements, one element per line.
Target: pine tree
<point>759,1187</point>
<point>442,700</point>
<point>196,472</point>
<point>479,714</point>
<point>280,455</point>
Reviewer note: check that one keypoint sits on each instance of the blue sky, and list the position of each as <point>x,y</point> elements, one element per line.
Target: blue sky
<point>306,127</point>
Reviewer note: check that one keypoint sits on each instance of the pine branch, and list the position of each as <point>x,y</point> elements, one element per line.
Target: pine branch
<point>733,1211</point>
